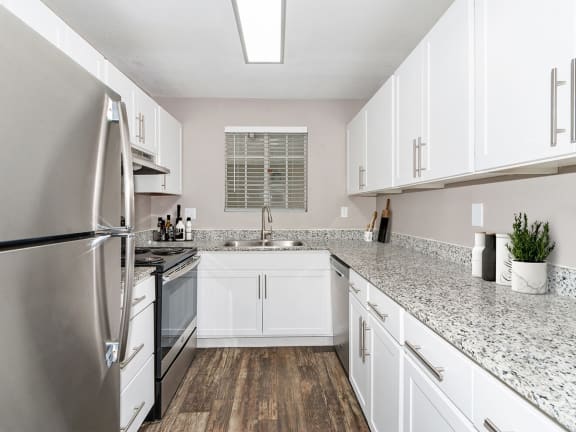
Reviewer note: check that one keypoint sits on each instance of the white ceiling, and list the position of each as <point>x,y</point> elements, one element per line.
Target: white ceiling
<point>334,49</point>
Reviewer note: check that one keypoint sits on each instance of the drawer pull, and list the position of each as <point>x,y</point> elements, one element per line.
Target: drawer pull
<point>135,352</point>
<point>353,288</point>
<point>134,415</point>
<point>438,372</point>
<point>374,308</point>
<point>138,300</point>
<point>490,426</point>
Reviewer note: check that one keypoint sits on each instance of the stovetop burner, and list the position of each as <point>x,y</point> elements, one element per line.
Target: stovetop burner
<point>167,251</point>
<point>150,260</point>
<point>141,250</point>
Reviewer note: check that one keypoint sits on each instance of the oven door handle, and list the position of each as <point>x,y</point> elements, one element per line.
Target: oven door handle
<point>180,271</point>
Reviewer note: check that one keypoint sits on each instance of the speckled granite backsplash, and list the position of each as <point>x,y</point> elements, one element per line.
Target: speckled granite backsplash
<point>250,234</point>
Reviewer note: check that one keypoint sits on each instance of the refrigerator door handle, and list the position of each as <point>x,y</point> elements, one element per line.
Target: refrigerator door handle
<point>127,297</point>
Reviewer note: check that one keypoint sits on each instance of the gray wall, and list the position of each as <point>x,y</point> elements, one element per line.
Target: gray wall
<point>204,121</point>
<point>446,215</point>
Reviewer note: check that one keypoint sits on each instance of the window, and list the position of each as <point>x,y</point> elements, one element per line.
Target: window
<point>266,167</point>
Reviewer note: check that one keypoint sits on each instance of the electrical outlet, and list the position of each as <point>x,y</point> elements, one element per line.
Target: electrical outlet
<point>344,212</point>
<point>190,213</point>
<point>478,215</point>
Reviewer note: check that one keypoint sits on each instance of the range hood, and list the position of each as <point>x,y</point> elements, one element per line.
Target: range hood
<point>144,163</point>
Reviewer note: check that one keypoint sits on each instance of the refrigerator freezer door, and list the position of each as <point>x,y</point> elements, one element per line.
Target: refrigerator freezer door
<point>55,322</point>
<point>59,152</point>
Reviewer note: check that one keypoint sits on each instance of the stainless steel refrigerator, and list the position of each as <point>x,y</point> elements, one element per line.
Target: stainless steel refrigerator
<point>64,143</point>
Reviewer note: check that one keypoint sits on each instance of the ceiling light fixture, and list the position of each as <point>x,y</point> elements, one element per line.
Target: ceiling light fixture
<point>261,28</point>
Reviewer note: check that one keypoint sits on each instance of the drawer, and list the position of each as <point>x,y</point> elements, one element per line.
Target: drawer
<point>447,367</point>
<point>387,312</point>
<point>143,294</point>
<point>140,345</point>
<point>137,399</point>
<point>359,287</point>
<point>498,408</point>
<point>267,260</point>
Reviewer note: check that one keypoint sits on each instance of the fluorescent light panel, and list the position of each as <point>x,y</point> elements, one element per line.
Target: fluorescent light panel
<point>261,27</point>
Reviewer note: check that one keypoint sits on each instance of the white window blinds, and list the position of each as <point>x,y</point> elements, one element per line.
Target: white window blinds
<point>266,169</point>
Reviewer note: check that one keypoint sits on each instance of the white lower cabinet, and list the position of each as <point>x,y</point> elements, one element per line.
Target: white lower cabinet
<point>359,354</point>
<point>386,371</point>
<point>297,303</point>
<point>137,398</point>
<point>426,408</point>
<point>245,294</point>
<point>497,408</point>
<point>229,303</point>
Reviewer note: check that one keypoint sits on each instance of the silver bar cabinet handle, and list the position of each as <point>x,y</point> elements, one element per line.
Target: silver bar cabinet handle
<point>265,286</point>
<point>438,372</point>
<point>374,308</point>
<point>490,426</point>
<point>134,415</point>
<point>259,289</point>
<point>365,352</point>
<point>554,84</point>
<point>143,128</point>
<point>134,353</point>
<point>420,145</point>
<point>351,285</point>
<point>573,101</point>
<point>414,163</point>
<point>360,336</point>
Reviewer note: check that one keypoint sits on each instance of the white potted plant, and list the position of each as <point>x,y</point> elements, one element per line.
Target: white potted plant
<point>529,246</point>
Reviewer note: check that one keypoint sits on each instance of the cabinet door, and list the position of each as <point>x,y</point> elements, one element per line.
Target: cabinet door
<point>386,380</point>
<point>122,85</point>
<point>297,303</point>
<point>513,76</point>
<point>39,17</point>
<point>83,53</point>
<point>169,156</point>
<point>146,113</point>
<point>359,363</point>
<point>229,304</point>
<point>356,143</point>
<point>410,114</point>
<point>380,138</point>
<point>448,145</point>
<point>426,408</point>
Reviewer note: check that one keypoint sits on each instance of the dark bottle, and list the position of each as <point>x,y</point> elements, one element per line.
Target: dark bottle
<point>169,229</point>
<point>489,258</point>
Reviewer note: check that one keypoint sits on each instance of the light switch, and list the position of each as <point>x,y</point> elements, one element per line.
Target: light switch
<point>344,212</point>
<point>477,215</point>
<point>190,213</point>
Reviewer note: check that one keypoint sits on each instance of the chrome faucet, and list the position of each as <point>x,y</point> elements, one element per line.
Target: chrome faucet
<point>264,234</point>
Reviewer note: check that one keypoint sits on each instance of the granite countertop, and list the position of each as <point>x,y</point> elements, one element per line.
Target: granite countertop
<point>140,274</point>
<point>528,342</point>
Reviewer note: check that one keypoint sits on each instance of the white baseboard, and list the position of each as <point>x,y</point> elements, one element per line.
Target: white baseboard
<point>246,342</point>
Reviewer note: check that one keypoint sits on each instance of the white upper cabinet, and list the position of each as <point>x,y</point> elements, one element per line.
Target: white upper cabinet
<point>122,85</point>
<point>518,44</point>
<point>356,151</point>
<point>435,89</point>
<point>169,155</point>
<point>411,115</point>
<point>380,138</point>
<point>145,121</point>
<point>449,141</point>
<point>39,17</point>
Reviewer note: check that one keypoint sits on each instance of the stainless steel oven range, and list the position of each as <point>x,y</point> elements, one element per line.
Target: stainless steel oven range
<point>175,317</point>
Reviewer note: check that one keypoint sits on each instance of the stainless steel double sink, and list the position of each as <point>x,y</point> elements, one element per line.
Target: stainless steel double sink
<point>262,243</point>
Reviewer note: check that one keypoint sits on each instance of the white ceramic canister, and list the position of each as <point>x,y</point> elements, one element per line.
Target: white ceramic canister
<point>479,243</point>
<point>530,277</point>
<point>503,260</point>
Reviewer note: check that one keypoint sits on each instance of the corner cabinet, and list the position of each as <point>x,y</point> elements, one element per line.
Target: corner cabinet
<point>169,155</point>
<point>515,82</point>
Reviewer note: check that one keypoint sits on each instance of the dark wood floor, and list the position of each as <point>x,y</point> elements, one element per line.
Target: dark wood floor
<point>288,389</point>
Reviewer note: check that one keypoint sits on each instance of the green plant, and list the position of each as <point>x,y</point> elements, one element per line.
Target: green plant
<point>530,244</point>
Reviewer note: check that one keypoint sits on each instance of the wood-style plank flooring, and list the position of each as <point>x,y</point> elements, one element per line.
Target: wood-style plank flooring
<point>289,389</point>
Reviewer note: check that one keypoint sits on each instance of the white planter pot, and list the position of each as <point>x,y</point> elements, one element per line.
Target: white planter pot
<point>529,278</point>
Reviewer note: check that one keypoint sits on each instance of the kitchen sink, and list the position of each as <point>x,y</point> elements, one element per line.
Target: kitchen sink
<point>262,243</point>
